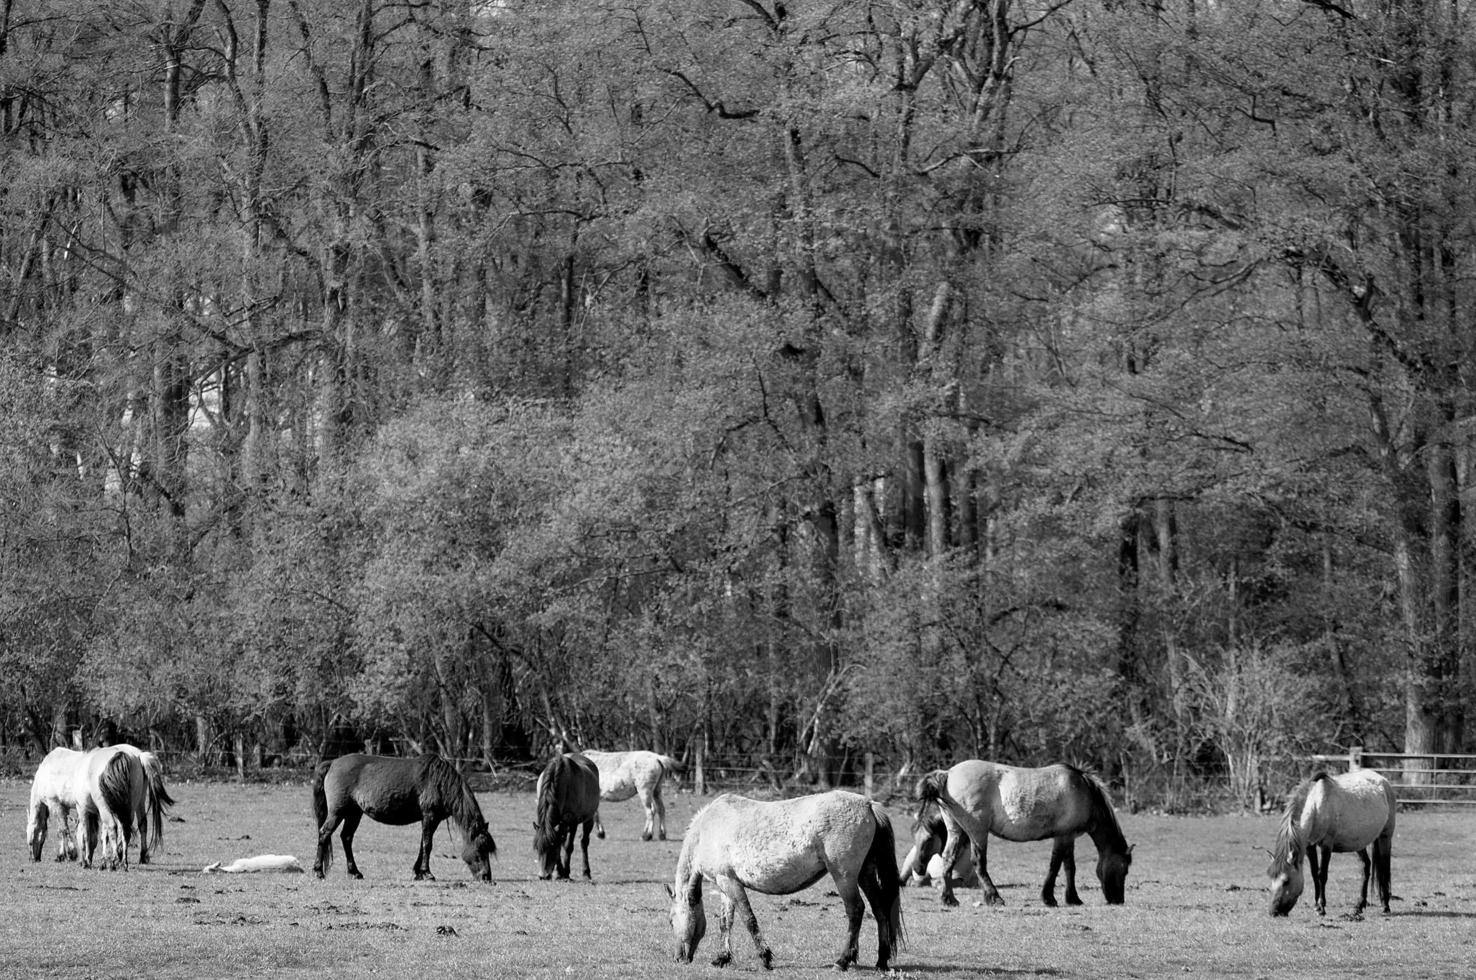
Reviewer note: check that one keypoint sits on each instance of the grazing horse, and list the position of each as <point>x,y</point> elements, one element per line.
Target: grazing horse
<point>53,797</point>
<point>568,797</point>
<point>156,799</point>
<point>398,792</point>
<point>925,861</point>
<point>112,791</point>
<point>625,774</point>
<point>1060,802</point>
<point>1350,812</point>
<point>780,848</point>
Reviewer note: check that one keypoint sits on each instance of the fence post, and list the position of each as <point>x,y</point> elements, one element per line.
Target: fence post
<point>1355,758</point>
<point>699,774</point>
<point>870,776</point>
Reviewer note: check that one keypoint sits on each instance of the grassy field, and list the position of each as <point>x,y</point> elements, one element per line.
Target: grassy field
<point>1196,906</point>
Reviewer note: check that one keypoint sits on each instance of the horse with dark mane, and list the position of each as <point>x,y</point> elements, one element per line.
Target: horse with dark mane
<point>780,848</point>
<point>398,792</point>
<point>1060,802</point>
<point>112,794</point>
<point>1353,811</point>
<point>568,797</point>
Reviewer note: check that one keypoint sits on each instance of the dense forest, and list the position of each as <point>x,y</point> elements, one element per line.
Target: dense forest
<point>796,382</point>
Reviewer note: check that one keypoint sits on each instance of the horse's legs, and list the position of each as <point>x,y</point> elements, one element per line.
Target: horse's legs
<point>1382,852</point>
<point>1063,854</point>
<point>325,844</point>
<point>1367,863</point>
<point>660,811</point>
<point>1069,863</point>
<point>981,863</point>
<point>346,836</point>
<point>956,837</point>
<point>566,839</point>
<point>428,826</point>
<point>648,802</point>
<point>881,911</point>
<point>735,901</point>
<point>1319,876</point>
<point>599,827</point>
<point>850,896</point>
<point>725,929</point>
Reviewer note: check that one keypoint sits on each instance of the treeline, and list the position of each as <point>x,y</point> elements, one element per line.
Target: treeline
<point>1026,379</point>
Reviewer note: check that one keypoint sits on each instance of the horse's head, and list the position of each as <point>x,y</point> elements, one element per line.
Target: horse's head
<point>929,834</point>
<point>477,851</point>
<point>1112,872</point>
<point>1286,883</point>
<point>688,917</point>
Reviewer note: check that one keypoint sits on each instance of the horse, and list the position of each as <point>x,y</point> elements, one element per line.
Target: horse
<point>398,792</point>
<point>1353,811</point>
<point>924,861</point>
<point>156,801</point>
<point>1060,802</point>
<point>568,797</point>
<point>112,791</point>
<point>53,797</point>
<point>780,848</point>
<point>624,774</point>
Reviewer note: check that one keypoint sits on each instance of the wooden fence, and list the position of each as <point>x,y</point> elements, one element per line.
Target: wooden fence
<point>1418,778</point>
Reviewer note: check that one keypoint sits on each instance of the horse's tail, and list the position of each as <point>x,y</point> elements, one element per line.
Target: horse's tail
<point>881,858</point>
<point>545,812</point>
<point>932,788</point>
<point>671,766</point>
<point>37,815</point>
<point>320,815</point>
<point>115,784</point>
<point>156,797</point>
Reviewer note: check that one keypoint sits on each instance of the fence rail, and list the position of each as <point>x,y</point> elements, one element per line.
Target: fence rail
<point>1419,778</point>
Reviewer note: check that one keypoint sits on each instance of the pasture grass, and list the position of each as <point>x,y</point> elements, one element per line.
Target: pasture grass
<point>1196,906</point>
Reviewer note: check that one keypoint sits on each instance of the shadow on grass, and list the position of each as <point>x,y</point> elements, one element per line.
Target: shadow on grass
<point>975,970</point>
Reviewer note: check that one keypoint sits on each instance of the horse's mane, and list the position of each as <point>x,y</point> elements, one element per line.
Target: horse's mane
<point>453,789</point>
<point>1290,843</point>
<point>1103,817</point>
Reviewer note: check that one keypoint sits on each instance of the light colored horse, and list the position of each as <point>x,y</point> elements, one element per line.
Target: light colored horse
<point>1059,802</point>
<point>53,798</point>
<point>256,864</point>
<point>625,774</point>
<point>780,848</point>
<point>1353,811</point>
<point>112,790</point>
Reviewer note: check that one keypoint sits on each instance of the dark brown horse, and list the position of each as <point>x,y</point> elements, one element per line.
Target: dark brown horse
<point>568,798</point>
<point>398,792</point>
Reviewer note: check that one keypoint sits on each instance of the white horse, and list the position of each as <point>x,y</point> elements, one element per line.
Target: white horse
<point>780,848</point>
<point>112,791</point>
<point>62,785</point>
<point>1349,812</point>
<point>53,798</point>
<point>624,774</point>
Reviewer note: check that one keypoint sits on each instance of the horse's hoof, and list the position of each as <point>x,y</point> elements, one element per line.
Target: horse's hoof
<point>544,877</point>
<point>950,901</point>
<point>1073,900</point>
<point>767,959</point>
<point>645,835</point>
<point>318,873</point>
<point>722,959</point>
<point>1049,901</point>
<point>600,835</point>
<point>355,874</point>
